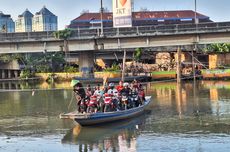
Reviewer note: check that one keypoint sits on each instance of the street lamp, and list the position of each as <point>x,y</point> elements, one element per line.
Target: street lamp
<point>102,32</point>
<point>196,20</point>
<point>195,44</point>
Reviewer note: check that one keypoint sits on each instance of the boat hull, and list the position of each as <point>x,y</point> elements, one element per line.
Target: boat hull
<point>106,117</point>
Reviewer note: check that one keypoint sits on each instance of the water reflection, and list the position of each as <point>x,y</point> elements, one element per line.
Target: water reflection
<point>179,114</point>
<point>190,107</point>
<point>117,136</point>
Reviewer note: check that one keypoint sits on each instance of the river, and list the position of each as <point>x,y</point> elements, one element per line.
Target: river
<point>187,117</point>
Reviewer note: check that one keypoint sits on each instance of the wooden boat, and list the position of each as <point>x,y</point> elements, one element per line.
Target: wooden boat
<point>105,117</point>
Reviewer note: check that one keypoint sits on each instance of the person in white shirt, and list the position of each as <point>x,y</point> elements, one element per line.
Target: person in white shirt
<point>112,90</point>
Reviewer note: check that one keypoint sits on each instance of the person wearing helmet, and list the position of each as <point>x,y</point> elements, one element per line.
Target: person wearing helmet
<point>112,90</point>
<point>126,90</point>
<point>114,94</point>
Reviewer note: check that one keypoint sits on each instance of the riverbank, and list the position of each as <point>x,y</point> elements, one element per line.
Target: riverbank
<point>208,74</point>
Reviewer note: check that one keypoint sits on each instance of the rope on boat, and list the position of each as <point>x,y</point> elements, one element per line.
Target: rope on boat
<point>71,101</point>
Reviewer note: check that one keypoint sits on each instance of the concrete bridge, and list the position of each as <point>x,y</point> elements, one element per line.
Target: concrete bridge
<point>88,42</point>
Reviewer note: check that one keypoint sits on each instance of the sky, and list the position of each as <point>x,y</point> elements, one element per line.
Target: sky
<point>67,10</point>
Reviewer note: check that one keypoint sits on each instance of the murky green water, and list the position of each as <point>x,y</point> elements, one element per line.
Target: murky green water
<point>180,118</point>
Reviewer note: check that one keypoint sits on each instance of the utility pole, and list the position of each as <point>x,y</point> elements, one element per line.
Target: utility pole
<point>193,63</point>
<point>195,44</point>
<point>123,67</point>
<point>196,19</point>
<point>178,64</point>
<point>102,9</point>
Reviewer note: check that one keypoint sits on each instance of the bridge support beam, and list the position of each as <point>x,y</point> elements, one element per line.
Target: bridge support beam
<point>9,74</point>
<point>16,74</point>
<point>3,74</point>
<point>86,64</point>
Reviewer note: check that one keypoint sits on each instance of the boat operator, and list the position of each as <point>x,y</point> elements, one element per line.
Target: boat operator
<point>79,92</point>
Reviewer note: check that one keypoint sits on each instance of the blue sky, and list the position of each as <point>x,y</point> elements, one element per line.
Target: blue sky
<point>66,10</point>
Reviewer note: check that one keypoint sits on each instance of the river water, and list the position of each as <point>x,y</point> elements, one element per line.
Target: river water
<point>187,117</point>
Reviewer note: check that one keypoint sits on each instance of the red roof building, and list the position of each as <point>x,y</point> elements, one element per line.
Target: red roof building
<point>92,20</point>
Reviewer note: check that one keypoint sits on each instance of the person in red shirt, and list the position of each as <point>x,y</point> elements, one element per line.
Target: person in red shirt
<point>120,86</point>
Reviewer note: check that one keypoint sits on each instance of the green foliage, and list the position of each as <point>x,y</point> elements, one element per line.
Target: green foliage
<point>43,68</point>
<point>163,72</point>
<point>114,68</point>
<point>63,34</point>
<point>137,54</point>
<point>218,48</point>
<point>26,73</point>
<point>52,78</point>
<point>10,57</point>
<point>70,69</point>
<point>46,62</point>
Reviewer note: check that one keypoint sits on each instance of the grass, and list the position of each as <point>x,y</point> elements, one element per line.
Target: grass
<point>216,71</point>
<point>163,72</point>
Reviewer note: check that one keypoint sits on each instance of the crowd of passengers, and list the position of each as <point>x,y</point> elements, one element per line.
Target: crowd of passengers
<point>109,98</point>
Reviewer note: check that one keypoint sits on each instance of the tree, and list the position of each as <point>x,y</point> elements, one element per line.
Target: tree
<point>218,48</point>
<point>144,9</point>
<point>84,11</point>
<point>64,35</point>
<point>137,54</point>
<point>105,10</point>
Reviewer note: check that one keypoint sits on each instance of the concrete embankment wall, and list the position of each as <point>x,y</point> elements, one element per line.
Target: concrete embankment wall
<point>216,74</point>
<point>69,76</point>
<point>206,74</point>
<point>163,75</point>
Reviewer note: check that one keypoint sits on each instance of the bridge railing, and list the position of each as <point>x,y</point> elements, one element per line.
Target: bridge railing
<point>118,32</point>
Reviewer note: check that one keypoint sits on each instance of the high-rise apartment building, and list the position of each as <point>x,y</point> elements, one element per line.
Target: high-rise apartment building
<point>24,22</point>
<point>6,23</point>
<point>44,20</point>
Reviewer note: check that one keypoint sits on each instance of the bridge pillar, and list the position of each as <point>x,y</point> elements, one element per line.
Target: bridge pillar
<point>86,64</point>
<point>3,74</point>
<point>9,74</point>
<point>16,74</point>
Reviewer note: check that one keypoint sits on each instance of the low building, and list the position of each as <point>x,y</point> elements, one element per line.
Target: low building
<point>93,20</point>
<point>6,23</point>
<point>24,22</point>
<point>44,20</point>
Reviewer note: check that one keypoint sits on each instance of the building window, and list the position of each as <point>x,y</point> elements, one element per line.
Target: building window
<point>161,20</point>
<point>37,19</point>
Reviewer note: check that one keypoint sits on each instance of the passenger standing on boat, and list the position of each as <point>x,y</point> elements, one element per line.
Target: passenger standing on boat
<point>114,95</point>
<point>134,95</point>
<point>125,93</point>
<point>99,93</point>
<point>120,86</point>
<point>112,90</point>
<point>141,94</point>
<point>126,90</point>
<point>80,96</point>
<point>135,83</point>
<point>89,91</point>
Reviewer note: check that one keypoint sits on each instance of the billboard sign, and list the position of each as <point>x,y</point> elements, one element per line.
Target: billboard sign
<point>122,13</point>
